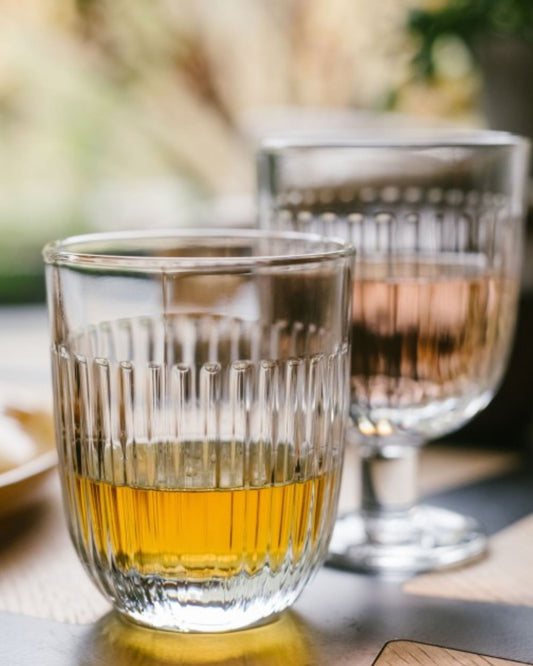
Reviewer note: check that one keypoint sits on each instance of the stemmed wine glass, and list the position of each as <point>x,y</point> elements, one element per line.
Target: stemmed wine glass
<point>437,223</point>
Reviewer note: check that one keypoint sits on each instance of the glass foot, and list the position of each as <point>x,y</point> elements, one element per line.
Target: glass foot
<point>424,539</point>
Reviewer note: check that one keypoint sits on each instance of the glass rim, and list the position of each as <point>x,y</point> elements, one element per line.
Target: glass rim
<point>426,138</point>
<point>69,252</point>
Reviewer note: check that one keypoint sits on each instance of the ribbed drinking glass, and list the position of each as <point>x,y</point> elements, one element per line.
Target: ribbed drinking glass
<point>200,395</point>
<point>437,222</point>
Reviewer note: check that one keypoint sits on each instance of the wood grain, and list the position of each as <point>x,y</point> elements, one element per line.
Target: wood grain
<point>406,653</point>
<point>505,576</point>
<point>40,574</point>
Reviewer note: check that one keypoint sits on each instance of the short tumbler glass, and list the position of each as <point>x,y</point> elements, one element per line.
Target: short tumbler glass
<point>201,386</point>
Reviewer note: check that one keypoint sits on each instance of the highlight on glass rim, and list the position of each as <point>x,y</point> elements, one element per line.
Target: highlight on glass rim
<point>202,426</point>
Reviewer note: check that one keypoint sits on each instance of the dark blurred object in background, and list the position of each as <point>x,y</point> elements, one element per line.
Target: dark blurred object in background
<point>499,37</point>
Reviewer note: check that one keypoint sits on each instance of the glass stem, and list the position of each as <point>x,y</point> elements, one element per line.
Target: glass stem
<point>389,469</point>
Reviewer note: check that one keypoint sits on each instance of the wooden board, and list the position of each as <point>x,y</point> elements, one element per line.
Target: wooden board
<point>406,653</point>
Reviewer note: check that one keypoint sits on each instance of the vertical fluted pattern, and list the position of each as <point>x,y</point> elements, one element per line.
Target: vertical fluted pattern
<point>201,449</point>
<point>434,298</point>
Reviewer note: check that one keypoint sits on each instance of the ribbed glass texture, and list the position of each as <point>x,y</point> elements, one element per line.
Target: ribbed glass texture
<point>200,452</point>
<point>437,225</point>
<point>436,218</point>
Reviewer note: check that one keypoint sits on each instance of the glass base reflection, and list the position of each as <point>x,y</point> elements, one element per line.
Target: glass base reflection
<point>424,539</point>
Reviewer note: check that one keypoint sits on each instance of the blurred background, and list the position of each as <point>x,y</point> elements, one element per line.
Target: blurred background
<point>121,114</point>
<point>128,114</point>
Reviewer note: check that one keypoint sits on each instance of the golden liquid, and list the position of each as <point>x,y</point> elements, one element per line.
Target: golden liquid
<point>200,495</point>
<point>204,533</point>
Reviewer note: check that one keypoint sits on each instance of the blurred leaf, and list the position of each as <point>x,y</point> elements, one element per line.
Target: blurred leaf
<point>468,20</point>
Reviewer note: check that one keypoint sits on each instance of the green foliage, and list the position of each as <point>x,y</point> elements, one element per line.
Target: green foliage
<point>469,20</point>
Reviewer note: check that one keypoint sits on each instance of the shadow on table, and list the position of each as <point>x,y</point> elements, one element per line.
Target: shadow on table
<point>117,642</point>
